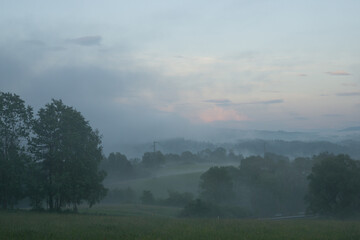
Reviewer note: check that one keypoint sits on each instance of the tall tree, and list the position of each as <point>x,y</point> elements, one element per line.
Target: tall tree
<point>334,186</point>
<point>15,127</point>
<point>69,153</point>
<point>153,159</point>
<point>216,185</point>
<point>117,165</point>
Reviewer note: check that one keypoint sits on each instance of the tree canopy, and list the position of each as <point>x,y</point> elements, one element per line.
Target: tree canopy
<point>69,153</point>
<point>117,165</point>
<point>153,159</point>
<point>15,128</point>
<point>217,185</point>
<point>334,186</point>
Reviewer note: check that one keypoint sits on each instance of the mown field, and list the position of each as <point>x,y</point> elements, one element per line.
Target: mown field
<point>31,225</point>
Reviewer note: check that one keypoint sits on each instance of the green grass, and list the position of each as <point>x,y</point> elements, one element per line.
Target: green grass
<point>132,210</point>
<point>30,225</point>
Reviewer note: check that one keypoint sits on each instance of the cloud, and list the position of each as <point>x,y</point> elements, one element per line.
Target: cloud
<point>227,102</point>
<point>219,114</point>
<point>350,84</point>
<point>12,71</point>
<point>348,94</point>
<point>268,102</point>
<point>301,118</point>
<point>86,41</point>
<point>338,73</point>
<point>219,102</point>
<point>34,42</point>
<point>271,91</point>
<point>332,115</point>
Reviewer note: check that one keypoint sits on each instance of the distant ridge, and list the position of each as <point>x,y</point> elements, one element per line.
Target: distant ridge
<point>357,128</point>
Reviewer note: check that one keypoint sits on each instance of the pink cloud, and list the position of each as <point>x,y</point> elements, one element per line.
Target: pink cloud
<point>166,108</point>
<point>219,114</point>
<point>339,73</point>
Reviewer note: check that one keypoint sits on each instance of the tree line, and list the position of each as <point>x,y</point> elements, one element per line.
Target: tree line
<point>52,158</point>
<point>326,185</point>
<point>118,166</point>
<point>261,186</point>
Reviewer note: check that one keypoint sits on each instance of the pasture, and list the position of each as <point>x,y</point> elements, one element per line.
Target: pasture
<point>33,225</point>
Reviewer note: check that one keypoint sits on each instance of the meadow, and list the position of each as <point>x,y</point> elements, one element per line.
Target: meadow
<point>34,225</point>
<point>132,210</point>
<point>183,177</point>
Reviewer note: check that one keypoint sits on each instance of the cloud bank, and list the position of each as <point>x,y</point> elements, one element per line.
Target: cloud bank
<point>86,40</point>
<point>338,73</point>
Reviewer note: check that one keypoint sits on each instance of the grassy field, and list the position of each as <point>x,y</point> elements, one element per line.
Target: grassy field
<point>132,210</point>
<point>31,225</point>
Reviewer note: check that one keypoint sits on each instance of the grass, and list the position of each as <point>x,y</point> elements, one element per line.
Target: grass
<point>31,225</point>
<point>132,210</point>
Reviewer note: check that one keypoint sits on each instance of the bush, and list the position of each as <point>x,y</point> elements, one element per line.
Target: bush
<point>200,209</point>
<point>147,197</point>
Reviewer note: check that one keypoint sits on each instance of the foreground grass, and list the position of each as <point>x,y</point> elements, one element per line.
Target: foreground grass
<point>132,210</point>
<point>30,225</point>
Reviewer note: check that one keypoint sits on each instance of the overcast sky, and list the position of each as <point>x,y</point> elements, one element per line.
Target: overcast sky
<point>156,69</point>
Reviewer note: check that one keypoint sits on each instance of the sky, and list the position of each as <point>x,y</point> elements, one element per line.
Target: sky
<point>142,70</point>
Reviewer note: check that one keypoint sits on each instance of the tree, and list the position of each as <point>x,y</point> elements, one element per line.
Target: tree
<point>218,155</point>
<point>273,184</point>
<point>232,157</point>
<point>178,199</point>
<point>172,158</point>
<point>153,159</point>
<point>200,209</point>
<point>188,156</point>
<point>217,185</point>
<point>147,197</point>
<point>334,186</point>
<point>69,153</point>
<point>15,127</point>
<point>118,166</point>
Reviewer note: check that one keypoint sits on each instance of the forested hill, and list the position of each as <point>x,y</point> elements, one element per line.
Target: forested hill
<point>248,147</point>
